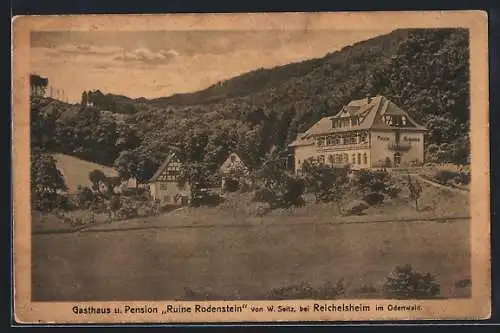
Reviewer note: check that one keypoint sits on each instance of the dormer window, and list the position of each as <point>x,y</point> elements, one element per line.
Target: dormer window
<point>396,121</point>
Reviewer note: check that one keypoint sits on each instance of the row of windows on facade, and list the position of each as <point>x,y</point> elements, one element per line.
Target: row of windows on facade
<point>343,159</point>
<point>343,139</point>
<point>395,120</point>
<point>346,122</point>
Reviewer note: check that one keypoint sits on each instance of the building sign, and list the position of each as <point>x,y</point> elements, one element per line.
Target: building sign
<point>405,138</point>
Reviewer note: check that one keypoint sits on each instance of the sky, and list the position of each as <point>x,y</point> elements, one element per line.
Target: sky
<point>162,63</point>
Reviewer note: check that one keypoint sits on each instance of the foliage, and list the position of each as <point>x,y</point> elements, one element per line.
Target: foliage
<point>373,198</point>
<point>425,71</point>
<point>264,195</point>
<point>328,184</point>
<point>98,179</point>
<point>405,283</point>
<point>205,198</point>
<point>374,185</point>
<point>128,212</point>
<point>285,188</point>
<point>457,152</point>
<point>85,197</point>
<point>444,176</point>
<point>304,290</point>
<point>47,182</point>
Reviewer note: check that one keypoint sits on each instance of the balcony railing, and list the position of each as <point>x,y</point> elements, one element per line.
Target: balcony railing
<point>343,147</point>
<point>398,146</point>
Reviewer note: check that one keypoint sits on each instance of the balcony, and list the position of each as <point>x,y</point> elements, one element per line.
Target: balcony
<point>399,146</point>
<point>335,148</point>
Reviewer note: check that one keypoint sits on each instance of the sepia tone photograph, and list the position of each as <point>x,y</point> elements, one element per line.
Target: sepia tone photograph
<point>211,162</point>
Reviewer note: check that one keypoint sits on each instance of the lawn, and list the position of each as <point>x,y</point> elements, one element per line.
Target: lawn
<point>76,171</point>
<point>237,261</point>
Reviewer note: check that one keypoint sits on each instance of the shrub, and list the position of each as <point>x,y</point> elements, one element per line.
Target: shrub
<point>373,198</point>
<point>405,283</point>
<point>211,199</point>
<point>64,202</point>
<point>264,195</point>
<point>329,184</point>
<point>150,208</point>
<point>205,198</point>
<point>356,208</point>
<point>304,290</point>
<point>393,192</point>
<point>368,181</point>
<point>87,219</point>
<point>292,196</point>
<point>84,197</point>
<point>463,178</point>
<point>444,176</point>
<point>128,211</point>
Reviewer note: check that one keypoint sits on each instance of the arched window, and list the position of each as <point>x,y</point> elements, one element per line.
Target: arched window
<point>346,158</point>
<point>359,158</point>
<point>353,158</point>
<point>365,158</point>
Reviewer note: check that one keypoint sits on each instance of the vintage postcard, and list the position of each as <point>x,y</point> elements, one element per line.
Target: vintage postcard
<point>189,168</point>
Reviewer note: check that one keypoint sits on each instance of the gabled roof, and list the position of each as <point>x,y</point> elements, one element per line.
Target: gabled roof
<point>370,111</point>
<point>162,167</point>
<point>237,157</point>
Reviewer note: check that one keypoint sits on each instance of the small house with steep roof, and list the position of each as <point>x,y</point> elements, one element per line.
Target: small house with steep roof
<point>234,173</point>
<point>164,185</point>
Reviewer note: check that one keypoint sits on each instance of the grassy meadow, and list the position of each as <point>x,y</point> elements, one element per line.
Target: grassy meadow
<point>223,252</point>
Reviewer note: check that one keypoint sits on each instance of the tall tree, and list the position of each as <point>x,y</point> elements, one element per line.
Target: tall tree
<point>84,100</point>
<point>46,180</point>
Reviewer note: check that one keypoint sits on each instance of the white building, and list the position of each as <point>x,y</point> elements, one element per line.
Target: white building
<point>367,133</point>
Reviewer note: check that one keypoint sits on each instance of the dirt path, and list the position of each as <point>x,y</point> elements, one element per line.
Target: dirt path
<point>127,226</point>
<point>448,188</point>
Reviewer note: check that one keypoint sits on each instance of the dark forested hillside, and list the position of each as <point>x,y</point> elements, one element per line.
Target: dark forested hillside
<point>263,79</point>
<point>425,71</point>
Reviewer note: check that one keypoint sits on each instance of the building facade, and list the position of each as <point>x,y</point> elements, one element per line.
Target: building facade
<point>368,133</point>
<point>164,186</point>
